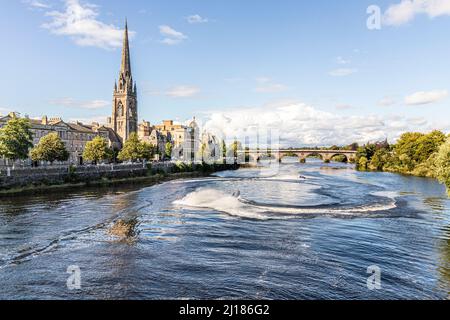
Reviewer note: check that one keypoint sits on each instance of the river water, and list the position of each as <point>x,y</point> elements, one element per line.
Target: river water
<point>299,231</point>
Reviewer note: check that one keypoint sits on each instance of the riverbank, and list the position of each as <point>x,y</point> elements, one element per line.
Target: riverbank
<point>414,154</point>
<point>149,176</point>
<point>426,174</point>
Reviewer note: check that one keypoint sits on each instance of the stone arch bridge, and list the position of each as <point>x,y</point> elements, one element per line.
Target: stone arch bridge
<point>326,155</point>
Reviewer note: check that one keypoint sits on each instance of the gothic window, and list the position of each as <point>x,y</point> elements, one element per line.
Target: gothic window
<point>121,83</point>
<point>120,109</point>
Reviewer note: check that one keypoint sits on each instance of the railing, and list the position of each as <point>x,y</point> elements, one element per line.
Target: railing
<point>61,169</point>
<point>296,150</point>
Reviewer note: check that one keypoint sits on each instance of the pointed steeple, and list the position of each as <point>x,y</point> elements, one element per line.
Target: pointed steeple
<point>126,65</point>
<point>125,105</point>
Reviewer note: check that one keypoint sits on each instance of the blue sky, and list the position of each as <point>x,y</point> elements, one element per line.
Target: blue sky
<point>313,69</point>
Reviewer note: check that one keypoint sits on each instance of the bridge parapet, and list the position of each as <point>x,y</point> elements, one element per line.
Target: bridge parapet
<point>302,154</point>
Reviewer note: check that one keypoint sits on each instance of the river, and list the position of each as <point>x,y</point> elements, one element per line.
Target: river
<point>298,231</point>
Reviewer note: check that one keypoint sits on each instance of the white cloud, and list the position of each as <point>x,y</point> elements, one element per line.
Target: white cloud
<point>172,36</point>
<point>303,125</point>
<point>233,79</point>
<point>271,88</point>
<point>37,4</point>
<point>417,121</point>
<point>426,97</point>
<point>263,79</point>
<point>170,32</point>
<point>183,92</point>
<point>344,107</point>
<point>80,23</point>
<point>170,42</point>
<point>387,101</point>
<point>407,10</point>
<point>343,72</point>
<point>195,19</point>
<point>72,103</point>
<point>266,85</point>
<point>341,60</point>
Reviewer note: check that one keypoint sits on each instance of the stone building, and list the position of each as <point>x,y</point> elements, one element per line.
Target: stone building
<point>150,134</point>
<point>176,133</point>
<point>186,142</point>
<point>75,135</point>
<point>184,139</point>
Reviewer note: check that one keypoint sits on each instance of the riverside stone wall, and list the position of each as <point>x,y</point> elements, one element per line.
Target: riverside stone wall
<point>18,178</point>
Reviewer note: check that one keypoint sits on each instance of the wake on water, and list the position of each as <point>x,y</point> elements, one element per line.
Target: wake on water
<point>235,205</point>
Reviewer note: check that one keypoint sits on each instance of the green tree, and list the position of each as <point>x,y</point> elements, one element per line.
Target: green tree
<point>146,151</point>
<point>379,160</point>
<point>168,150</point>
<point>443,164</point>
<point>362,163</point>
<point>97,150</point>
<point>429,144</point>
<point>406,150</point>
<point>426,168</point>
<point>132,149</point>
<point>414,152</point>
<point>340,158</point>
<point>366,151</point>
<point>50,148</point>
<point>114,152</point>
<point>16,139</point>
<point>224,149</point>
<point>235,147</point>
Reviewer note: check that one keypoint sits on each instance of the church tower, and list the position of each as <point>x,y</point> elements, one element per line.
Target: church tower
<point>124,119</point>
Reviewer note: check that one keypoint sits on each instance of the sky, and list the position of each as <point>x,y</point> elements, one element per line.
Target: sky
<point>318,72</point>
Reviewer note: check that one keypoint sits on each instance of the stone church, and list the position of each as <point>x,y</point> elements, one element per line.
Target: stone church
<point>124,120</point>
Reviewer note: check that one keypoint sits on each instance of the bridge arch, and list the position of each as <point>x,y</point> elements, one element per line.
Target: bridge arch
<point>304,156</point>
<point>346,158</point>
<point>283,155</point>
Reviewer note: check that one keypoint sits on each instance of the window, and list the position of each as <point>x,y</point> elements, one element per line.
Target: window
<point>120,109</point>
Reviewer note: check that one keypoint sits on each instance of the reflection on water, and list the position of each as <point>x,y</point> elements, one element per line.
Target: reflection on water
<point>444,266</point>
<point>307,231</point>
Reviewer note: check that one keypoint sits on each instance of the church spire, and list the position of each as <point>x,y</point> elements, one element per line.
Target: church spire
<point>126,65</point>
<point>125,105</point>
